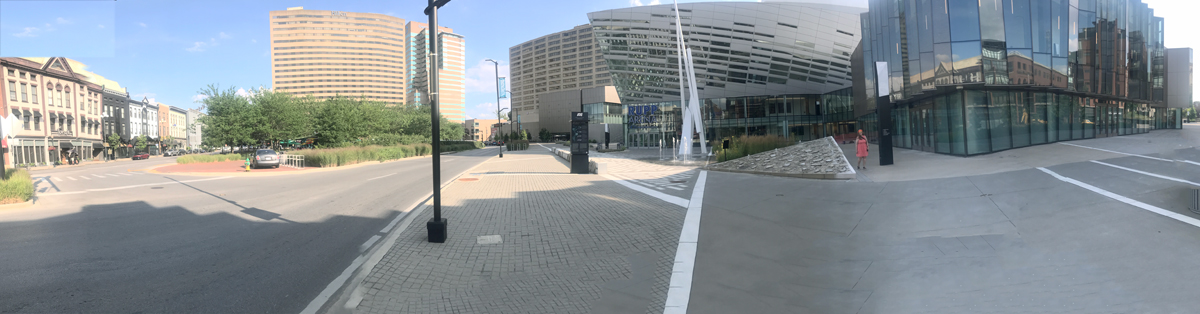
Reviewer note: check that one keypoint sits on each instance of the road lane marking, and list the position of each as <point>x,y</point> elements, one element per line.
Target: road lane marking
<point>1147,173</point>
<point>72,178</point>
<point>381,177</point>
<point>85,178</point>
<point>367,245</point>
<point>1126,200</point>
<point>134,186</point>
<point>114,176</point>
<point>58,179</point>
<point>680,287</point>
<point>1128,154</point>
<point>126,174</point>
<point>98,176</point>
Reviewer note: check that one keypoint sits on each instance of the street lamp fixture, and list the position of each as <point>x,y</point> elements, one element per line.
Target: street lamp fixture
<point>497,66</point>
<point>437,225</point>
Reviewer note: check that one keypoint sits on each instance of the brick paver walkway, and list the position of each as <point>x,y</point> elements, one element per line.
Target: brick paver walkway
<point>567,244</point>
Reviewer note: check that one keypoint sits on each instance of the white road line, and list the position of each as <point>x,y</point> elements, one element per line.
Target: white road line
<point>114,176</point>
<point>1126,200</point>
<point>137,185</point>
<point>1116,152</point>
<point>85,178</point>
<point>125,174</point>
<point>72,178</point>
<point>331,288</point>
<point>367,245</point>
<point>98,176</point>
<point>381,177</point>
<point>1147,173</point>
<point>656,194</point>
<point>58,179</point>
<point>680,288</point>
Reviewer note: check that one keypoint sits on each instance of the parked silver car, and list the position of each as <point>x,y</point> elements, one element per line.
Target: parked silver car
<point>265,158</point>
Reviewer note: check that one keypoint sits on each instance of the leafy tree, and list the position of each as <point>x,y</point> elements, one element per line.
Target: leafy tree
<point>141,143</point>
<point>513,135</point>
<point>451,131</point>
<point>544,135</point>
<point>113,140</point>
<point>284,116</point>
<point>525,135</point>
<point>168,141</point>
<point>231,119</point>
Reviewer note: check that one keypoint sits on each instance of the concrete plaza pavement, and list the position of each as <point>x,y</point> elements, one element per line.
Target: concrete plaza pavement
<point>1015,241</point>
<point>527,237</point>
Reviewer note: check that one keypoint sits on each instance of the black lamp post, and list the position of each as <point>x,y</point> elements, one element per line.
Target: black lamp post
<point>497,64</point>
<point>436,226</point>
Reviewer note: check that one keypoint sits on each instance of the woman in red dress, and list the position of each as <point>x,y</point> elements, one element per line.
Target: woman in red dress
<point>861,143</point>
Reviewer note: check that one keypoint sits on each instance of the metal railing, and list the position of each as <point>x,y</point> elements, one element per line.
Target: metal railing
<point>294,161</point>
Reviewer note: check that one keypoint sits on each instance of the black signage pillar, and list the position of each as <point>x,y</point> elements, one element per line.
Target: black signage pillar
<point>579,143</point>
<point>884,110</point>
<point>883,113</point>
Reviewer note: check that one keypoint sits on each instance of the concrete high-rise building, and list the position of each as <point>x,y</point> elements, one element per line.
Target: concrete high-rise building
<point>376,56</point>
<point>565,60</point>
<point>451,65</point>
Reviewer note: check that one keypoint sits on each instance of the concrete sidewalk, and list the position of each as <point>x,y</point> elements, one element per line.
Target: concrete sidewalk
<point>527,237</point>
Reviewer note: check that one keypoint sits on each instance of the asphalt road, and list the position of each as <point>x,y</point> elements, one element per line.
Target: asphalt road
<point>125,242</point>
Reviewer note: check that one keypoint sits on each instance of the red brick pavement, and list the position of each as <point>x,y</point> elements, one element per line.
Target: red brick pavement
<point>224,166</point>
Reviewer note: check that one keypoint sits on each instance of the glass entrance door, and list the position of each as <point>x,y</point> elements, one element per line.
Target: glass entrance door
<point>921,119</point>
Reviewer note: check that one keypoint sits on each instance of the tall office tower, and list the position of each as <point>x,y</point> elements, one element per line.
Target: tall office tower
<point>565,60</point>
<point>328,53</point>
<point>451,65</point>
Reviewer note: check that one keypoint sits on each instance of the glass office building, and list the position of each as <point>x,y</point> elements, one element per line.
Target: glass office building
<point>979,76</point>
<point>774,68</point>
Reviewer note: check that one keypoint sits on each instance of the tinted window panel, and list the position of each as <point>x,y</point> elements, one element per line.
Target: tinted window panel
<point>964,19</point>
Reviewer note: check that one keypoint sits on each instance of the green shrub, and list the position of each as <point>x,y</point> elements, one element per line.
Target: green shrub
<point>745,146</point>
<point>343,156</point>
<point>191,159</point>
<point>17,187</point>
<point>517,145</point>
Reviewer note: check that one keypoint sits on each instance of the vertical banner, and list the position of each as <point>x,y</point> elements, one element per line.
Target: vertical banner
<point>883,110</point>
<point>503,88</point>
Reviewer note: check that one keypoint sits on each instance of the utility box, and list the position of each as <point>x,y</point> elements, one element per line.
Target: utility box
<point>579,142</point>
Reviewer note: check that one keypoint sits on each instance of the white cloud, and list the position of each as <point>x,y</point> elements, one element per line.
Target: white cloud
<point>638,3</point>
<point>197,47</point>
<point>487,110</point>
<point>198,98</point>
<point>242,92</point>
<point>482,77</point>
<point>142,24</point>
<point>62,21</point>
<point>253,41</point>
<point>29,32</point>
<point>101,25</point>
<point>223,35</point>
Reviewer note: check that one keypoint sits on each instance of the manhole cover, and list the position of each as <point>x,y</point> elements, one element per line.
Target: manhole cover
<point>677,181</point>
<point>469,179</point>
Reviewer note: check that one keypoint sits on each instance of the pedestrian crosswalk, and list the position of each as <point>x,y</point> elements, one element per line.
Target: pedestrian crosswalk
<point>659,181</point>
<point>57,178</point>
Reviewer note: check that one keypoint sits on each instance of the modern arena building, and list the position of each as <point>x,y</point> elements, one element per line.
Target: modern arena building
<point>967,76</point>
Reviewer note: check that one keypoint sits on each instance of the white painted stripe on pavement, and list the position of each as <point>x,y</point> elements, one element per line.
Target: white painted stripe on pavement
<point>85,178</point>
<point>58,179</point>
<point>72,178</point>
<point>1116,152</point>
<point>114,176</point>
<point>656,194</point>
<point>125,174</point>
<point>680,288</point>
<point>1147,173</point>
<point>1126,200</point>
<point>134,186</point>
<point>331,288</point>
<point>381,177</point>
<point>367,245</point>
<point>98,176</point>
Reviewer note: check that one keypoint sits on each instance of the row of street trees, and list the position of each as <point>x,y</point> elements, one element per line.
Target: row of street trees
<point>266,117</point>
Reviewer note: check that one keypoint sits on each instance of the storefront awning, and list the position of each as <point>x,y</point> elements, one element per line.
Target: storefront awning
<point>65,145</point>
<point>61,116</point>
<point>71,117</point>
<point>16,111</point>
<point>97,145</point>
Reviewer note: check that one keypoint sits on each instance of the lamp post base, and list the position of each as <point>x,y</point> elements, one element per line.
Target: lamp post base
<point>437,230</point>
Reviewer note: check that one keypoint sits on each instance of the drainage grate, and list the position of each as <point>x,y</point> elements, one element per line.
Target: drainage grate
<point>469,179</point>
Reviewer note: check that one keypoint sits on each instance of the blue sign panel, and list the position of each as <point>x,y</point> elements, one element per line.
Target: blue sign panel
<point>643,116</point>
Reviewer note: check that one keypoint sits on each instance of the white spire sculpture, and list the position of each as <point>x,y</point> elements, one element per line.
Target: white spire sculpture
<point>692,120</point>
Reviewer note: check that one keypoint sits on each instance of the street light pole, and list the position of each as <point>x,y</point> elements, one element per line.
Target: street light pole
<point>437,225</point>
<point>497,64</point>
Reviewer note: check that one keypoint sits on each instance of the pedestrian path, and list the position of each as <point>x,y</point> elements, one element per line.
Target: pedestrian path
<point>659,181</point>
<point>526,237</point>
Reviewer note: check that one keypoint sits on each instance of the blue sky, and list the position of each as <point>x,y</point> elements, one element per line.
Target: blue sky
<point>171,49</point>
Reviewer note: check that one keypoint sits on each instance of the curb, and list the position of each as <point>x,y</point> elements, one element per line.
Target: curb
<point>271,174</point>
<point>25,204</point>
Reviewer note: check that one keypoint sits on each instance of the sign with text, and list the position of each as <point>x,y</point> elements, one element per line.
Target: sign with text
<point>643,116</point>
